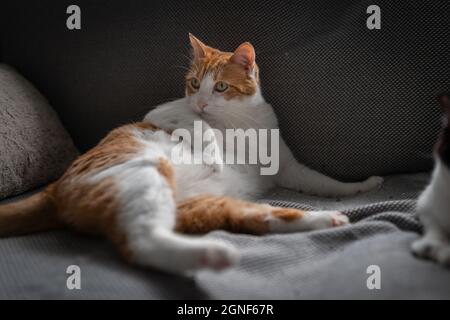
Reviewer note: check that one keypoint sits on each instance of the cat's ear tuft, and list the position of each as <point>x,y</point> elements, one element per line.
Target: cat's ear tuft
<point>198,47</point>
<point>244,55</point>
<point>444,102</point>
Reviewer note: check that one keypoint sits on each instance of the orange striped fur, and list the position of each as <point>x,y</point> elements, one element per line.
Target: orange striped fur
<point>206,213</point>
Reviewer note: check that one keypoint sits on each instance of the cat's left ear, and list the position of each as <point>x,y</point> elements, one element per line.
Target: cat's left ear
<point>244,55</point>
<point>198,47</point>
<point>444,102</point>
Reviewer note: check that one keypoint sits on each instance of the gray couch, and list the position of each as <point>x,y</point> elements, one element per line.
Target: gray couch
<point>352,102</point>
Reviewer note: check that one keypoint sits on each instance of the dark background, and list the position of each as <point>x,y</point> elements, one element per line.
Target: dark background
<point>352,102</point>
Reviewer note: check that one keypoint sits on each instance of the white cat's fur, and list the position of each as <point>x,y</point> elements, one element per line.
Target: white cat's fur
<point>251,112</point>
<point>433,207</point>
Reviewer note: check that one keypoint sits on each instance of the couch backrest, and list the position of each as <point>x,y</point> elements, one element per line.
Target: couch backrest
<point>352,102</point>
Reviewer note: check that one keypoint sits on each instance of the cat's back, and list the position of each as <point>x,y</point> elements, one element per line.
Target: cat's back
<point>123,144</point>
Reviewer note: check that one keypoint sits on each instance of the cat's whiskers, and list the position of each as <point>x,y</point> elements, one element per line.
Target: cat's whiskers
<point>189,59</point>
<point>237,117</point>
<point>243,115</point>
<point>231,124</point>
<point>227,122</point>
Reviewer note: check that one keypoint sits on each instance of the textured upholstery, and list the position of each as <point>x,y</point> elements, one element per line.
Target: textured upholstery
<point>352,102</point>
<point>325,264</point>
<point>35,149</point>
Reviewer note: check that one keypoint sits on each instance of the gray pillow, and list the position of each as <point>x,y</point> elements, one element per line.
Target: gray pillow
<point>35,149</point>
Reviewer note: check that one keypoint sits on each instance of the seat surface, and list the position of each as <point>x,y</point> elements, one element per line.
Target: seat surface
<point>321,264</point>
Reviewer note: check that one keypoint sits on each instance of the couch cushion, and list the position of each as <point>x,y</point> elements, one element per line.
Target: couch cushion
<point>394,188</point>
<point>34,147</point>
<point>325,264</point>
<point>352,102</point>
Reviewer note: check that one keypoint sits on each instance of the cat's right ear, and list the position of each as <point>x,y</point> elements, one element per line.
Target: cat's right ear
<point>198,47</point>
<point>244,55</point>
<point>444,102</point>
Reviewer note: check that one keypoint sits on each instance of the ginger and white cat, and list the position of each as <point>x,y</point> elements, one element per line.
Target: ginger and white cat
<point>433,206</point>
<point>128,189</point>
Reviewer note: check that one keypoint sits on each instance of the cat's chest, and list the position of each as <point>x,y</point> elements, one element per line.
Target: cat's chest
<point>434,204</point>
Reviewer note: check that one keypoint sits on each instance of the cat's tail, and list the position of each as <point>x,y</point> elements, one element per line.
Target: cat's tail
<point>34,214</point>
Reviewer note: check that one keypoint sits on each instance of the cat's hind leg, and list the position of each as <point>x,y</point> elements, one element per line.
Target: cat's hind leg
<point>296,176</point>
<point>147,219</point>
<point>206,213</point>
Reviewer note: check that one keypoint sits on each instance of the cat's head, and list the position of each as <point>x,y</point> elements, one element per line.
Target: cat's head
<point>443,143</point>
<point>218,80</point>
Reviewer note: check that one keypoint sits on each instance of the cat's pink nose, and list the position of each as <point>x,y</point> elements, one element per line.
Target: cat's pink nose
<point>202,105</point>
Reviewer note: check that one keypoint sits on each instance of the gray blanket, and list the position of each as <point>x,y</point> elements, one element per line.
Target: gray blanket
<point>322,264</point>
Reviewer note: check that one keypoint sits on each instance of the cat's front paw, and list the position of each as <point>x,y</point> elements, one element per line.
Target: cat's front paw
<point>436,251</point>
<point>423,248</point>
<point>214,162</point>
<point>443,256</point>
<point>217,167</point>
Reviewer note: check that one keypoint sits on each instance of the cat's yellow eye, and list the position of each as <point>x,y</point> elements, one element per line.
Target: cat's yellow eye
<point>221,86</point>
<point>195,83</point>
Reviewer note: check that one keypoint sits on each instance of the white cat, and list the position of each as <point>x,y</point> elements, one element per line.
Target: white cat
<point>433,206</point>
<point>240,110</point>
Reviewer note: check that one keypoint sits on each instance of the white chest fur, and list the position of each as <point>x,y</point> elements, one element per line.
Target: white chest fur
<point>434,204</point>
<point>433,208</point>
